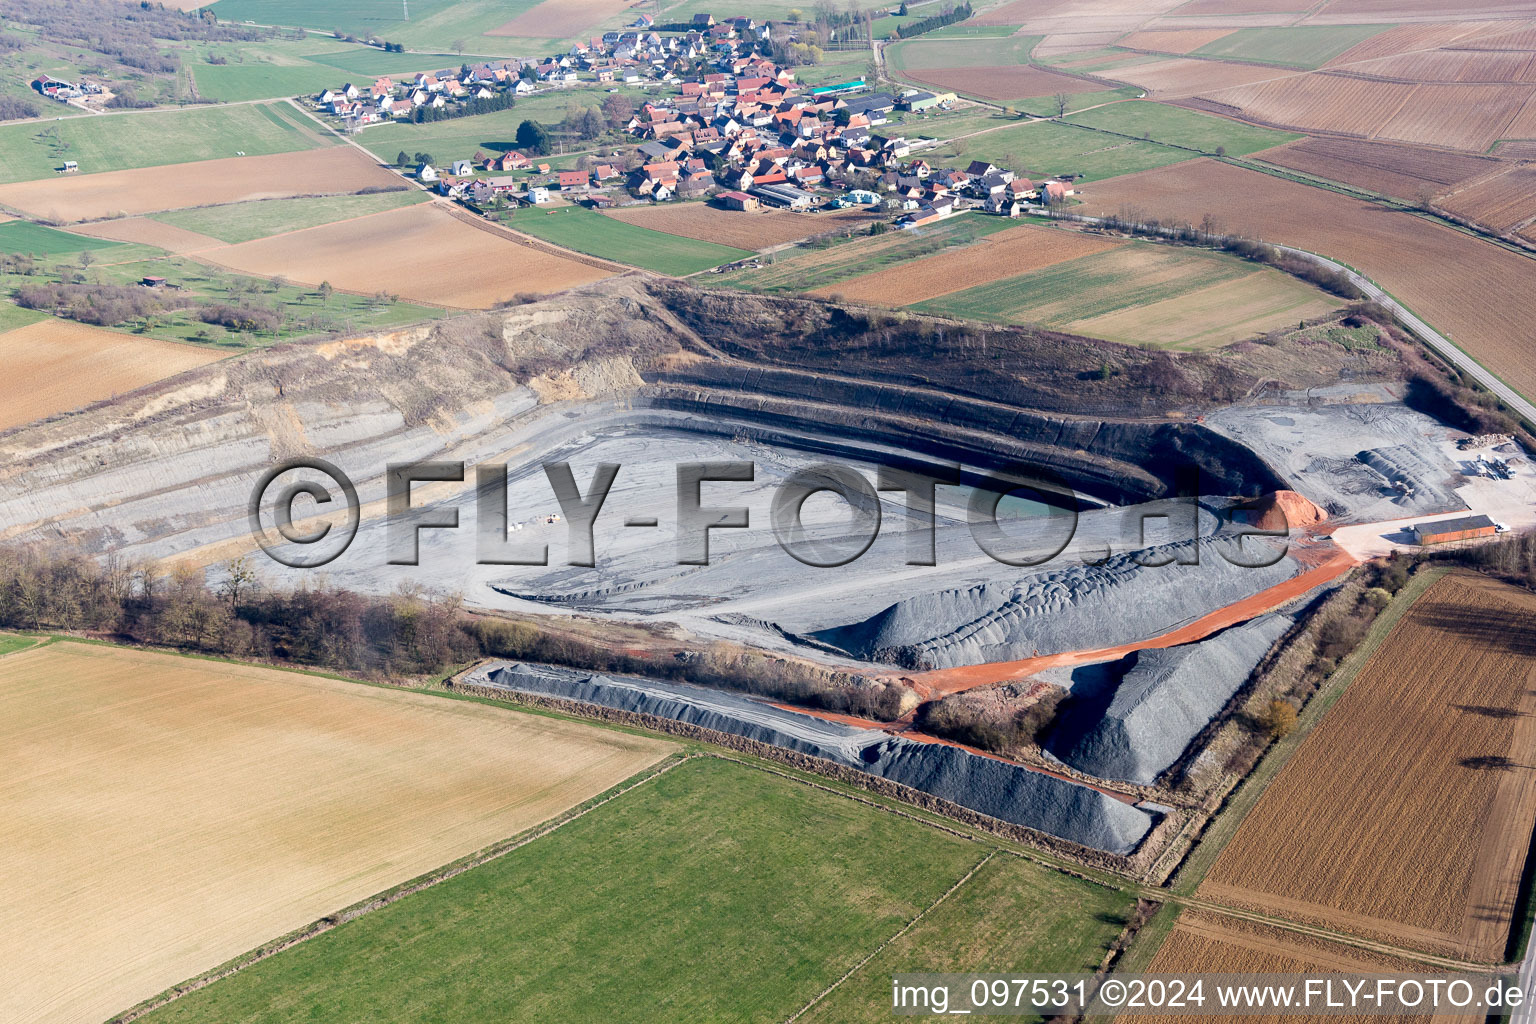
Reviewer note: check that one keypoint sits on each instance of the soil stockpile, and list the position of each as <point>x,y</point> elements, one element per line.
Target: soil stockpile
<point>996,788</point>
<point>1136,728</point>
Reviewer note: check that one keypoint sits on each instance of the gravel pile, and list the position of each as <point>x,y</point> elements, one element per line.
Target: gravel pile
<point>1137,720</point>
<point>996,788</point>
<point>1063,609</point>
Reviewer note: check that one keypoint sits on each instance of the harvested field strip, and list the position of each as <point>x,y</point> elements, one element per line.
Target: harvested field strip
<point>1215,316</point>
<point>1011,912</point>
<point>1306,46</point>
<point>1470,117</point>
<point>801,270</point>
<point>115,142</point>
<point>1174,40</point>
<point>245,222</point>
<point>1007,253</point>
<point>420,252</point>
<point>734,228</point>
<point>1123,277</point>
<point>1502,203</point>
<point>1404,172</point>
<point>135,868</point>
<point>123,193</point>
<point>144,231</point>
<point>1205,942</point>
<point>1405,38</point>
<point>689,860</point>
<point>1181,77</point>
<point>591,232</point>
<point>55,366</point>
<point>1512,67</point>
<point>1424,842</point>
<point>1451,265</point>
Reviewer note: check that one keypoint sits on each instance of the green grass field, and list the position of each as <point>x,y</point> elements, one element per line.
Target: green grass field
<point>285,67</point>
<point>242,222</point>
<point>713,892</point>
<point>434,24</point>
<point>1179,127</point>
<point>1142,293</point>
<point>1046,148</point>
<point>24,236</point>
<point>590,232</point>
<point>305,314</point>
<point>11,644</point>
<point>1305,46</point>
<point>13,316</point>
<point>933,51</point>
<point>1012,914</point>
<point>115,142</point>
<point>818,266</point>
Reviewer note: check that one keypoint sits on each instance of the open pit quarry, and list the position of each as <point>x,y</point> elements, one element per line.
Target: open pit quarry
<point>650,375</point>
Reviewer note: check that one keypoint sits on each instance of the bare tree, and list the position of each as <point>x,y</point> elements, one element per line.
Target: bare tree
<point>1060,102</point>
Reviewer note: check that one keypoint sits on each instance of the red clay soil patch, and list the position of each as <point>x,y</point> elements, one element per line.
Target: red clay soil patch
<point>1003,83</point>
<point>1283,510</point>
<point>1331,562</point>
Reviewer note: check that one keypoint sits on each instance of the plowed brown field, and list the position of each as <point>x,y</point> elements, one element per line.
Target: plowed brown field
<point>1186,76</point>
<point>1434,270</point>
<point>1406,172</point>
<point>1501,203</point>
<point>1175,40</point>
<point>331,171</point>
<point>164,814</point>
<point>1196,7</point>
<point>1501,36</point>
<point>1404,38</point>
<point>418,252</point>
<point>1406,815</point>
<point>55,366</point>
<point>1014,251</point>
<point>733,227</point>
<point>1203,942</point>
<point>1471,117</point>
<point>1524,124</point>
<point>149,232</point>
<point>1003,83</point>
<point>1508,66</point>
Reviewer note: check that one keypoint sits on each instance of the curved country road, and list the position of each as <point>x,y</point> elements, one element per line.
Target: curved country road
<point>1521,406</point>
<point>1428,335</point>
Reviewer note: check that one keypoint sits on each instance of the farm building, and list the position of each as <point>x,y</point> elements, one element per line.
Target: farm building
<point>737,201</point>
<point>1464,528</point>
<point>787,196</point>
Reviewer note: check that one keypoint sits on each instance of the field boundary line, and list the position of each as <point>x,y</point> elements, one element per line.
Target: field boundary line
<point>881,948</point>
<point>399,892</point>
<point>1247,792</point>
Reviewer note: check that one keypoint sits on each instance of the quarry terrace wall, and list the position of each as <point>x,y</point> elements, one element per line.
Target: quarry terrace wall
<point>1116,461</point>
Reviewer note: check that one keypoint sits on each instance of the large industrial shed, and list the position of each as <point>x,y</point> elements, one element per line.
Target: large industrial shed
<point>1464,528</point>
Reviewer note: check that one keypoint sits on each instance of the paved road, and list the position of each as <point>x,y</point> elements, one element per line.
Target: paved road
<point>1526,1012</point>
<point>1429,335</point>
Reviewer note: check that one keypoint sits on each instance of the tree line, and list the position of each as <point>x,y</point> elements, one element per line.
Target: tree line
<point>410,633</point>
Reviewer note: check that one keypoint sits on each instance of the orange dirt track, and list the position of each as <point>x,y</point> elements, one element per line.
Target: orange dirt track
<point>1329,564</point>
